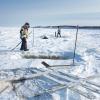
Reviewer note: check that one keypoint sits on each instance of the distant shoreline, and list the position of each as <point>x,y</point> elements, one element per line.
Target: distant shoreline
<point>62,27</point>
<point>68,27</point>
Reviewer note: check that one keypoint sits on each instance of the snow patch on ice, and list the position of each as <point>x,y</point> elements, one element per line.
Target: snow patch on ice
<point>15,56</point>
<point>55,96</point>
<point>90,65</point>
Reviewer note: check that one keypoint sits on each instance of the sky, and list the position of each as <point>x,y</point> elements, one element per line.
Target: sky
<point>49,12</point>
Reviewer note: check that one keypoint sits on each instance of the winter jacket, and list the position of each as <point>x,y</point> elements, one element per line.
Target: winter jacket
<point>23,32</point>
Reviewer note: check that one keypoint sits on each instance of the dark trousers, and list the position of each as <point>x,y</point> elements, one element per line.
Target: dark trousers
<point>24,44</point>
<point>58,34</point>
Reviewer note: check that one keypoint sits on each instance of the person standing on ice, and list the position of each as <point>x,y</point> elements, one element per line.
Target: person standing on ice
<point>24,35</point>
<point>59,32</point>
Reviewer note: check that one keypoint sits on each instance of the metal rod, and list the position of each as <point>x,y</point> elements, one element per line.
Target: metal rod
<point>75,46</point>
<point>16,46</point>
<point>33,36</point>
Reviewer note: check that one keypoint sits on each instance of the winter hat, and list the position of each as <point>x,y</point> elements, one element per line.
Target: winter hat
<point>27,24</point>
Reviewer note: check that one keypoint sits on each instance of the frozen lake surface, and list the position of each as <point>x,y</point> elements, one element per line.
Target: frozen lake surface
<point>87,60</point>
